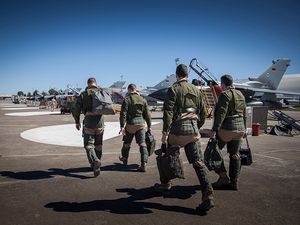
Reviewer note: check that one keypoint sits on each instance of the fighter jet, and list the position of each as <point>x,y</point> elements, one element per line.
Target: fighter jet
<point>118,91</point>
<point>257,91</point>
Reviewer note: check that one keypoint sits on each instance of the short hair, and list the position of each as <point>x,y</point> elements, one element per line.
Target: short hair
<point>131,87</point>
<point>227,80</point>
<point>213,82</point>
<point>196,82</point>
<point>182,71</point>
<point>91,80</point>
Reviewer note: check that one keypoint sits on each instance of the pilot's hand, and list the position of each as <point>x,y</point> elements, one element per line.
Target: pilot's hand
<point>149,129</point>
<point>164,138</point>
<point>78,126</point>
<point>122,131</point>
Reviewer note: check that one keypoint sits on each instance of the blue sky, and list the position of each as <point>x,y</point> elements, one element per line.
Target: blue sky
<point>50,44</point>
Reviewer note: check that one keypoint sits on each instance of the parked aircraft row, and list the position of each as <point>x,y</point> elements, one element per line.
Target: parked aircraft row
<point>272,88</point>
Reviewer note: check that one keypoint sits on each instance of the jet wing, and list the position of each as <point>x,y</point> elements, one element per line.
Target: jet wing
<point>265,90</point>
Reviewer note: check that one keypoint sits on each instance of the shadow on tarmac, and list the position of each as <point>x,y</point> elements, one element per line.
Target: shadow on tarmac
<point>120,167</point>
<point>51,173</point>
<point>133,203</point>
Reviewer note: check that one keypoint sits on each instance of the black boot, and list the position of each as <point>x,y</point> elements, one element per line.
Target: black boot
<point>163,188</point>
<point>142,168</point>
<point>222,182</point>
<point>123,160</point>
<point>234,184</point>
<point>207,202</point>
<point>205,205</point>
<point>96,168</point>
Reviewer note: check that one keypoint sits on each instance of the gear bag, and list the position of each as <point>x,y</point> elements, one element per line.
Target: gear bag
<point>246,155</point>
<point>212,155</point>
<point>150,142</point>
<point>169,163</point>
<point>102,103</point>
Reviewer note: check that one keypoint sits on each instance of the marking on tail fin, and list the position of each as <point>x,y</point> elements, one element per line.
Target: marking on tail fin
<point>273,75</point>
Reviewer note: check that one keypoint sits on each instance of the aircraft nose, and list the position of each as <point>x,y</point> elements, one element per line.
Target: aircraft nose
<point>159,94</point>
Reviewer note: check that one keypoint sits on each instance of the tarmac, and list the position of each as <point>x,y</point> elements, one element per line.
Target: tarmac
<point>50,182</point>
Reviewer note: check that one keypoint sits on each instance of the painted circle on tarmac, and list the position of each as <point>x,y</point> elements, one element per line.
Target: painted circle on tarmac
<point>67,135</point>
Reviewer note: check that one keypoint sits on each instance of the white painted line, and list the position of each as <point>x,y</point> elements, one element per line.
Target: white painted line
<point>12,105</point>
<point>274,151</point>
<point>67,135</point>
<point>269,157</point>
<point>20,108</point>
<point>42,155</point>
<point>32,113</point>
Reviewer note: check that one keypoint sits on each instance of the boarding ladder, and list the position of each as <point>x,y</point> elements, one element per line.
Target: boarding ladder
<point>208,92</point>
<point>287,119</point>
<point>209,99</point>
<point>202,72</point>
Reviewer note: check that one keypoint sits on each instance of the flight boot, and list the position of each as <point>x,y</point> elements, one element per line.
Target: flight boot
<point>123,160</point>
<point>142,168</point>
<point>234,184</point>
<point>96,168</point>
<point>163,188</point>
<point>207,202</point>
<point>222,182</point>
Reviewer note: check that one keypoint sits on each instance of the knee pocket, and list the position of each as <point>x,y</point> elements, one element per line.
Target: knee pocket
<point>142,144</point>
<point>127,145</point>
<point>89,147</point>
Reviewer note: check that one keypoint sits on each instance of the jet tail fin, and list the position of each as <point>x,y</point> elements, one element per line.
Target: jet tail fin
<point>272,76</point>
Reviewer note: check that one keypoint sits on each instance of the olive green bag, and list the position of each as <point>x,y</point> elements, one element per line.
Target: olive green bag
<point>150,142</point>
<point>168,161</point>
<point>212,155</point>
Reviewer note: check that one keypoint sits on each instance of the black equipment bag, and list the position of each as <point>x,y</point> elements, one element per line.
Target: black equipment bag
<point>212,155</point>
<point>150,142</point>
<point>246,155</point>
<point>169,163</point>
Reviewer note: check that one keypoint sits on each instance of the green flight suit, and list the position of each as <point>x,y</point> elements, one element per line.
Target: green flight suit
<point>184,97</point>
<point>135,111</point>
<point>230,114</point>
<point>92,141</point>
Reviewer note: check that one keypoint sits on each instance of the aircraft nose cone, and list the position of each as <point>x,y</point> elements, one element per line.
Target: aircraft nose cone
<point>159,94</point>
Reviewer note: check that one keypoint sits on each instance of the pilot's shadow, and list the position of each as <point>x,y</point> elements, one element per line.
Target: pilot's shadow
<point>51,173</point>
<point>133,204</point>
<point>120,167</point>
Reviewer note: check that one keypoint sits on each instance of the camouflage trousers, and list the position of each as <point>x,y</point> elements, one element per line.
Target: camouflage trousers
<point>233,148</point>
<point>140,140</point>
<point>93,146</point>
<point>194,156</point>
